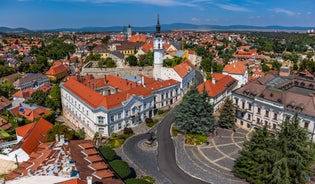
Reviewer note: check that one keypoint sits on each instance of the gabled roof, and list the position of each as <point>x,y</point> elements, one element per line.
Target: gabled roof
<point>235,68</point>
<point>183,68</point>
<point>57,69</point>
<point>26,93</point>
<point>28,113</point>
<point>73,181</point>
<point>36,135</point>
<point>22,130</point>
<point>222,83</point>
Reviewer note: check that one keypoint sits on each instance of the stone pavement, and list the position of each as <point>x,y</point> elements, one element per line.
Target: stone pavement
<point>212,163</point>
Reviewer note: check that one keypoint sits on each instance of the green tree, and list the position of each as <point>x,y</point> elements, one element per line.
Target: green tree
<point>285,158</point>
<point>206,64</point>
<point>121,168</point>
<point>7,89</point>
<point>38,97</point>
<point>106,39</point>
<point>194,115</point>
<point>252,163</point>
<point>227,114</point>
<point>265,67</point>
<point>92,57</point>
<point>146,59</point>
<point>136,181</point>
<point>55,97</point>
<point>132,60</point>
<point>61,129</point>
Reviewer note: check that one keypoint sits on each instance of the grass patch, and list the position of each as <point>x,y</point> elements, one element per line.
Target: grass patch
<point>162,112</point>
<point>117,140</point>
<point>174,131</point>
<point>148,179</point>
<point>151,122</point>
<point>115,143</point>
<point>195,139</point>
<point>4,133</point>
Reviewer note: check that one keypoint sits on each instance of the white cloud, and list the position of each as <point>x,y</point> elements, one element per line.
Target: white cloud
<point>194,19</point>
<point>152,2</point>
<point>232,7</point>
<point>285,11</point>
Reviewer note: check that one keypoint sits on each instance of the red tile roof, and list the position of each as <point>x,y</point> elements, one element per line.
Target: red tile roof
<point>73,181</point>
<point>183,68</point>
<point>235,68</point>
<point>22,130</point>
<point>95,99</point>
<point>29,113</point>
<point>36,135</point>
<point>57,69</point>
<point>222,83</point>
<point>161,84</point>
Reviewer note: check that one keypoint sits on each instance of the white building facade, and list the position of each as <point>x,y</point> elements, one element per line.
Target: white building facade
<point>260,103</point>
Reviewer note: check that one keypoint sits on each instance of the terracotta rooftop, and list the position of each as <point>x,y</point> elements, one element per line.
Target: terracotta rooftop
<point>183,68</point>
<point>235,68</point>
<point>37,133</point>
<point>84,167</point>
<point>222,83</point>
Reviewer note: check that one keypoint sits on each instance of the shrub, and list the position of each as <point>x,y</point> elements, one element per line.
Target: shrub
<point>174,131</point>
<point>150,122</point>
<point>160,112</point>
<point>136,181</point>
<point>115,143</point>
<point>128,130</point>
<point>108,153</point>
<point>195,139</point>
<point>149,179</point>
<point>121,168</point>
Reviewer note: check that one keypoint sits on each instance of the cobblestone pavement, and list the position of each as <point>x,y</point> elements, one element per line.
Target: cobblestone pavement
<point>212,163</point>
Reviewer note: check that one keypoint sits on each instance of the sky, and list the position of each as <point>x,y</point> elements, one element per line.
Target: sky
<point>50,14</point>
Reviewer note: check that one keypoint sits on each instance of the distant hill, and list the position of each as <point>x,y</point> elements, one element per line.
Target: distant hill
<point>12,30</point>
<point>168,27</point>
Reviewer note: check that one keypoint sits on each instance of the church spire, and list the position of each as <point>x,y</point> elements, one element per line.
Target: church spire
<point>158,26</point>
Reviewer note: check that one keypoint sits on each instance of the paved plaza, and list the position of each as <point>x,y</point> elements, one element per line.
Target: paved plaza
<point>212,163</point>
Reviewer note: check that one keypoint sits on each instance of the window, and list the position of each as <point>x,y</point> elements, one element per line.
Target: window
<point>258,121</point>
<point>236,101</point>
<point>306,124</point>
<point>274,126</point>
<point>119,115</point>
<point>127,113</point>
<point>248,116</point>
<point>100,119</point>
<point>134,110</point>
<point>119,126</point>
<point>275,116</point>
<point>101,130</point>
<point>267,113</point>
<point>112,118</point>
<point>249,106</point>
<point>243,105</point>
<point>258,110</point>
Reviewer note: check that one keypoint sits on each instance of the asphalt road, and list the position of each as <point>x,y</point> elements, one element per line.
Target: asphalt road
<point>166,154</point>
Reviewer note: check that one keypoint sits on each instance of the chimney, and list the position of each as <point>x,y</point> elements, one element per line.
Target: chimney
<point>105,79</point>
<point>56,137</point>
<point>213,80</point>
<point>62,139</point>
<point>234,65</point>
<point>89,180</point>
<point>142,81</point>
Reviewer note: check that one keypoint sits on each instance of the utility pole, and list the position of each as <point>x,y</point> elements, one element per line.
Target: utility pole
<point>17,162</point>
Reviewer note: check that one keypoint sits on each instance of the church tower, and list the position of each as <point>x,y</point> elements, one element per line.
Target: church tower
<point>158,51</point>
<point>129,33</point>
